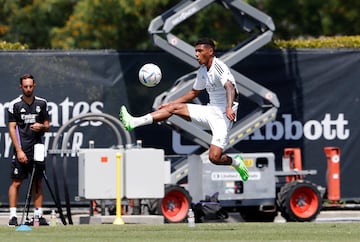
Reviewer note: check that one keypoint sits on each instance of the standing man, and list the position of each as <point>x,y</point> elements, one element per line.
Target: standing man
<point>219,115</point>
<point>28,119</point>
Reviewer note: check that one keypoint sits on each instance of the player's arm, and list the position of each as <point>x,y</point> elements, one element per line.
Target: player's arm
<point>46,125</point>
<point>21,156</point>
<point>38,127</point>
<point>230,98</point>
<point>190,95</point>
<point>42,126</point>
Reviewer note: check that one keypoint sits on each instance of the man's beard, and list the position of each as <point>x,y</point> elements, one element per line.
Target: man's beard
<point>27,94</point>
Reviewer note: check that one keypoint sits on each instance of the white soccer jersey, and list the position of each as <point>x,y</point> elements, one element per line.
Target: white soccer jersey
<point>214,81</point>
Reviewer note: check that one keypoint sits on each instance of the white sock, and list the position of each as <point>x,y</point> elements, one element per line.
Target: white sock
<point>38,211</point>
<point>13,212</point>
<point>143,120</point>
<point>235,162</point>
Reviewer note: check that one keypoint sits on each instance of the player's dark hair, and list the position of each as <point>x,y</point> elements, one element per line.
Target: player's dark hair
<point>26,76</point>
<point>206,41</point>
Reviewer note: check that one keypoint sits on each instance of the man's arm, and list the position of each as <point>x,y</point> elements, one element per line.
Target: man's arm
<point>230,98</point>
<point>190,95</point>
<point>21,156</point>
<point>37,127</point>
<point>46,125</point>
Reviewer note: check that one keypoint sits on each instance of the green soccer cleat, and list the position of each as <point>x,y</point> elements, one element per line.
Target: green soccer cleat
<point>241,168</point>
<point>126,119</point>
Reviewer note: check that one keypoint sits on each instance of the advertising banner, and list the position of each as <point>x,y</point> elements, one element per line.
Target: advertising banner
<point>318,92</point>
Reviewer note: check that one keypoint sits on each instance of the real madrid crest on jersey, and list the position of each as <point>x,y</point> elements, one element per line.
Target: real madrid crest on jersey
<point>38,109</point>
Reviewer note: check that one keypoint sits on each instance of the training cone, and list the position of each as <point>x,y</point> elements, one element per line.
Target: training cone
<point>24,228</point>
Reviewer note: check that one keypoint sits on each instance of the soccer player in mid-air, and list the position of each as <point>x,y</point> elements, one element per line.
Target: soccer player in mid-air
<point>218,116</point>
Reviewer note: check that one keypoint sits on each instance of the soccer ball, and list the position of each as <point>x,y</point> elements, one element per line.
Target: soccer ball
<point>150,75</point>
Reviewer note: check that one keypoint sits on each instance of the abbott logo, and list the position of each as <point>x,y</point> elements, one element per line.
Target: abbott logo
<point>290,129</point>
<point>286,129</point>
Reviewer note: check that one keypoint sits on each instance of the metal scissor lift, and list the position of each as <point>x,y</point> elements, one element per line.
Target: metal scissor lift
<point>252,21</point>
<point>263,195</point>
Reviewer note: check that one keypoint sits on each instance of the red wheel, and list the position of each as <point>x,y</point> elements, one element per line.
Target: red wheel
<point>175,204</point>
<point>299,201</point>
<point>304,202</point>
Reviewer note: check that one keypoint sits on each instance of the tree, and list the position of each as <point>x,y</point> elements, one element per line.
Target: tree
<point>30,22</point>
<point>122,24</point>
<point>315,18</point>
<point>111,24</point>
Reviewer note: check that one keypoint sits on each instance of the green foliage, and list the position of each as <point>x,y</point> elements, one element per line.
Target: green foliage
<point>122,24</point>
<point>323,42</point>
<point>111,24</point>
<point>31,21</point>
<point>12,46</point>
<point>294,19</point>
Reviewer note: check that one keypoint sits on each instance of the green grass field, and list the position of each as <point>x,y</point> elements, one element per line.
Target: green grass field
<point>180,232</point>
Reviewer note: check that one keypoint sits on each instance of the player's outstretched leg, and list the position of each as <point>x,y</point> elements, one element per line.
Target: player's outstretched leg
<point>126,119</point>
<point>241,168</point>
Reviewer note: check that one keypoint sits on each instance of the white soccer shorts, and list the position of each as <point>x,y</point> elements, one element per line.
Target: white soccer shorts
<point>212,118</point>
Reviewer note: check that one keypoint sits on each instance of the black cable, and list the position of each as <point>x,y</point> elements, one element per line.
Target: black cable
<point>66,192</point>
<point>57,195</point>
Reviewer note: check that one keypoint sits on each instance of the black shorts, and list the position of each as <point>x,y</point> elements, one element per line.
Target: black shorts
<point>22,171</point>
